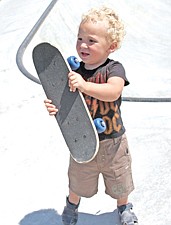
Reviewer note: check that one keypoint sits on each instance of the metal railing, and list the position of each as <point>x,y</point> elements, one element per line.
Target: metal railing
<point>27,40</point>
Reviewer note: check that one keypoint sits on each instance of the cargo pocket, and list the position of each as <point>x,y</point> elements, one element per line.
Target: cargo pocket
<point>122,160</point>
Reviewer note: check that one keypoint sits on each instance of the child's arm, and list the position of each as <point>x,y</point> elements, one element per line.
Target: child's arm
<point>109,91</point>
<point>50,107</point>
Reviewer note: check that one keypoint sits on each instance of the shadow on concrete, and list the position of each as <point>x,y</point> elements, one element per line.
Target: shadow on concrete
<point>51,217</point>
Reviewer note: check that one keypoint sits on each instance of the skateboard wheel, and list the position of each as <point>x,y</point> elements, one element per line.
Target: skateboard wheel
<point>73,62</point>
<point>100,125</point>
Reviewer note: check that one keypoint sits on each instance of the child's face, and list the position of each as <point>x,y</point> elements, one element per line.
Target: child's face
<point>92,45</point>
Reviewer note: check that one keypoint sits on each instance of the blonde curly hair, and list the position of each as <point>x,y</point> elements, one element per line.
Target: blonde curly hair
<point>115,27</point>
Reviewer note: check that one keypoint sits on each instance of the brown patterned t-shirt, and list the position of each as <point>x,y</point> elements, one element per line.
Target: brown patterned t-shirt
<point>108,111</point>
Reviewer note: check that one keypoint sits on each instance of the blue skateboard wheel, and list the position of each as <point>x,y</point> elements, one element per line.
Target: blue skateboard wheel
<point>100,125</point>
<point>73,62</point>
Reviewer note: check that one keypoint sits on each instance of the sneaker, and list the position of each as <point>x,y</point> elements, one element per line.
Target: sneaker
<point>70,213</point>
<point>127,216</point>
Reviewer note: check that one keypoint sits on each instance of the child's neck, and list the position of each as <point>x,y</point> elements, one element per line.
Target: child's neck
<point>94,66</point>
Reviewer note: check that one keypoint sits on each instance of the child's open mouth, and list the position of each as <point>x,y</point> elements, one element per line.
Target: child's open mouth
<point>84,54</point>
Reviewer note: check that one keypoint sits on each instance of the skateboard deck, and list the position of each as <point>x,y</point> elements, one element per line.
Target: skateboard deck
<point>73,116</point>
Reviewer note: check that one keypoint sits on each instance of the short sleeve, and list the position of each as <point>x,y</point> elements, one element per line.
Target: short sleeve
<point>116,69</point>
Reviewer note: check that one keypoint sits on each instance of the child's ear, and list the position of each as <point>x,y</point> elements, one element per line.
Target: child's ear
<point>113,47</point>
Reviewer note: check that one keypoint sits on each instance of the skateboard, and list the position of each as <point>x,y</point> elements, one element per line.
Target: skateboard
<point>73,117</point>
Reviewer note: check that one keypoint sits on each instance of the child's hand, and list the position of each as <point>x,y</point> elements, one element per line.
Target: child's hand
<point>76,81</point>
<point>50,107</point>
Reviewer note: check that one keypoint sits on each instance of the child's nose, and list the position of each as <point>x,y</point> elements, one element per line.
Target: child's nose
<point>84,45</point>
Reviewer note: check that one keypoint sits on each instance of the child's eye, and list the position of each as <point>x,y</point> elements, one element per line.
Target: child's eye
<point>79,39</point>
<point>92,41</point>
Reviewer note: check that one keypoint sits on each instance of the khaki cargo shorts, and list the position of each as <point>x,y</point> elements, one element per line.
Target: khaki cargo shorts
<point>113,161</point>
